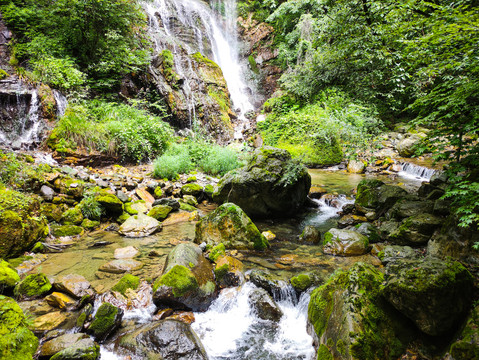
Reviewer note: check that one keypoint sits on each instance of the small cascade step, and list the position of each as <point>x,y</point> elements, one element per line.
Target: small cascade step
<point>414,171</point>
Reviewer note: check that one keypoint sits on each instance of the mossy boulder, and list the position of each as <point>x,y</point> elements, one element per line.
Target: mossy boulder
<point>186,207</point>
<point>406,208</point>
<point>72,216</point>
<point>136,207</point>
<point>53,212</point>
<point>348,318</point>
<point>374,195</point>
<point>84,349</point>
<point>230,225</point>
<point>368,230</point>
<point>435,294</point>
<point>59,343</point>
<point>345,243</point>
<point>88,224</point>
<point>187,280</point>
<point>466,347</point>
<point>69,186</point>
<point>160,212</point>
<point>270,185</point>
<point>8,275</point>
<point>16,340</point>
<point>33,285</point>
<point>192,189</point>
<point>66,230</point>
<point>110,202</point>
<point>21,223</point>
<point>216,252</point>
<point>301,282</point>
<point>229,271</point>
<point>126,282</point>
<point>107,319</point>
<point>416,230</point>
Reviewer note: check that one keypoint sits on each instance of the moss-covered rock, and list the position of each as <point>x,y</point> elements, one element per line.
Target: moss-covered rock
<point>374,195</point>
<point>85,349</point>
<point>345,243</point>
<point>136,207</point>
<point>8,275</point>
<point>209,190</point>
<point>435,294</point>
<point>65,230</point>
<point>21,224</point>
<point>72,216</point>
<point>33,286</point>
<point>271,184</point>
<point>140,225</point>
<point>126,282</point>
<point>466,347</point>
<point>160,212</point>
<point>69,186</point>
<point>416,230</point>
<point>192,189</point>
<point>217,251</point>
<point>229,225</point>
<point>158,192</point>
<point>368,230</point>
<point>350,321</point>
<point>187,280</point>
<point>16,340</point>
<point>229,271</point>
<point>112,205</point>
<point>186,207</point>
<point>310,235</point>
<point>53,212</point>
<point>301,282</point>
<point>88,224</point>
<point>107,319</point>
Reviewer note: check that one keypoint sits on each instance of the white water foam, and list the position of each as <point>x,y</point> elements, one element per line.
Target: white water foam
<point>231,330</point>
<point>415,172</point>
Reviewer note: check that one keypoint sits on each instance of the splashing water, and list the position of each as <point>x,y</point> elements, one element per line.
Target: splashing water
<point>416,172</point>
<point>231,330</point>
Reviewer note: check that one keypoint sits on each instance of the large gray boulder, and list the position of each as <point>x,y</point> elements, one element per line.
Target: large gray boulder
<point>435,294</point>
<point>230,225</point>
<point>345,243</point>
<point>270,185</point>
<point>374,195</point>
<point>416,230</point>
<point>140,225</point>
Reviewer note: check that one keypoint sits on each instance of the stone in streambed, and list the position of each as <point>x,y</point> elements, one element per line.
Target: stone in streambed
<point>60,301</point>
<point>107,319</point>
<point>230,225</point>
<point>345,243</point>
<point>139,226</point>
<point>416,230</point>
<point>126,282</point>
<point>8,275</point>
<point>160,212</point>
<point>264,306</point>
<point>33,285</point>
<point>84,349</point>
<point>435,294</point>
<point>74,285</point>
<point>128,252</point>
<point>121,265</point>
<point>60,343</point>
<point>165,339</point>
<point>229,271</point>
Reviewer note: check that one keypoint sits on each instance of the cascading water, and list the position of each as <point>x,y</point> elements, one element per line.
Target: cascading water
<point>192,26</point>
<point>328,210</point>
<point>61,102</point>
<point>416,172</point>
<point>231,330</point>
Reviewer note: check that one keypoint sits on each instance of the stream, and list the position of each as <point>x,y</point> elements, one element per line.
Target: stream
<point>229,329</point>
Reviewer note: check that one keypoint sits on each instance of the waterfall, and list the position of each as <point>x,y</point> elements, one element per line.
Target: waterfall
<point>250,337</point>
<point>192,26</point>
<point>416,172</point>
<point>61,102</point>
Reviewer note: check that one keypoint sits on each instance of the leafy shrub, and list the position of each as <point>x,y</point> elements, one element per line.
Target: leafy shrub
<point>181,158</point>
<point>115,129</point>
<point>90,208</point>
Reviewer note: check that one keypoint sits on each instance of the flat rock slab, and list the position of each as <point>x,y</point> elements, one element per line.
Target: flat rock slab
<point>139,226</point>
<point>60,343</point>
<point>73,284</point>
<point>128,252</point>
<point>120,266</point>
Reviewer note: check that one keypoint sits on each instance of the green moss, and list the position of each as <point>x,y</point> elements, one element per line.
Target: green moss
<point>191,189</point>
<point>186,207</point>
<point>180,279</point>
<point>324,353</point>
<point>89,224</point>
<point>341,347</point>
<point>105,320</point>
<point>8,275</point>
<point>72,216</point>
<point>252,64</point>
<point>16,340</point>
<point>220,271</point>
<point>158,192</point>
<point>204,60</point>
<point>328,238</point>
<point>3,74</point>
<point>301,282</point>
<point>160,212</point>
<point>318,153</point>
<point>129,209</point>
<point>110,203</point>
<point>209,190</point>
<point>127,282</point>
<point>168,68</point>
<point>33,285</point>
<point>191,179</point>
<point>216,252</point>
<point>122,218</point>
<point>65,230</point>
<point>38,248</point>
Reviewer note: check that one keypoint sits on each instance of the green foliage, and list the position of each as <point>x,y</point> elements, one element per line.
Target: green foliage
<point>90,208</point>
<point>188,155</point>
<point>18,173</point>
<point>68,42</point>
<point>115,129</point>
<point>260,9</point>
<point>314,130</point>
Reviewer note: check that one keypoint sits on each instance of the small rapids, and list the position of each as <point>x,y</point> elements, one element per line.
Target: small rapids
<point>328,211</point>
<point>415,172</point>
<point>231,330</point>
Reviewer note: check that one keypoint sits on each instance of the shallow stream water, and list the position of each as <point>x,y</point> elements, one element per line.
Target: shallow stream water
<point>229,329</point>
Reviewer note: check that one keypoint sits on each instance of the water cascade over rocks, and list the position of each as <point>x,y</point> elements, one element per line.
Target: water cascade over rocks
<point>187,35</point>
<point>417,172</point>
